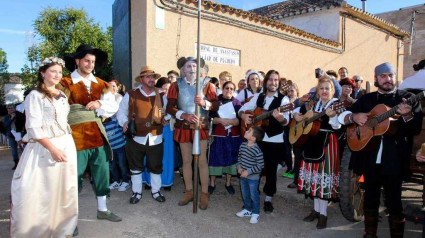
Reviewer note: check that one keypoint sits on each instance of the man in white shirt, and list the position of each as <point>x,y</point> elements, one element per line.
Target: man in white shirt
<point>272,144</point>
<point>87,93</point>
<point>144,106</point>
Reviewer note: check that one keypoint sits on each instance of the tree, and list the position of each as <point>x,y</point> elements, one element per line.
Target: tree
<point>29,72</point>
<point>4,75</point>
<point>3,62</point>
<point>63,30</point>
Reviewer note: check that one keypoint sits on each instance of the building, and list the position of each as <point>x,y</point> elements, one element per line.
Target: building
<point>293,39</point>
<point>402,18</point>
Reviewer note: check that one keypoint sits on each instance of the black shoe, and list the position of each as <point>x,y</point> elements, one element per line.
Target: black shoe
<point>211,189</point>
<point>16,165</point>
<point>292,185</point>
<point>312,216</point>
<point>268,207</point>
<point>134,199</point>
<point>75,232</point>
<point>159,198</point>
<point>321,224</point>
<point>230,189</point>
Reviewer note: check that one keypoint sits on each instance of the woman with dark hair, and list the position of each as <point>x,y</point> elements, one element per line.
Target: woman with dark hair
<point>216,83</point>
<point>167,175</point>
<point>252,79</point>
<point>223,153</point>
<point>163,83</point>
<point>44,186</point>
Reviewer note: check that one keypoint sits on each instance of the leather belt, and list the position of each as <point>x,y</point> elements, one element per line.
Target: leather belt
<point>203,124</point>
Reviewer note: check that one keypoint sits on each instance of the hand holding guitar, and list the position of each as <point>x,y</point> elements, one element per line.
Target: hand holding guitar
<point>330,112</point>
<point>404,109</point>
<point>279,117</point>
<point>298,117</point>
<point>246,118</point>
<point>360,118</point>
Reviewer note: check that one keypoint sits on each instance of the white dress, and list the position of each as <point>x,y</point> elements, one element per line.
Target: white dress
<point>45,192</point>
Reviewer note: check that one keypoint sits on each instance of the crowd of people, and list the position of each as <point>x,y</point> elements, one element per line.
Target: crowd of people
<point>79,123</point>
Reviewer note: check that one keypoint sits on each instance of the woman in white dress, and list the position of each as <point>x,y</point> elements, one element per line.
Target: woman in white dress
<point>44,185</point>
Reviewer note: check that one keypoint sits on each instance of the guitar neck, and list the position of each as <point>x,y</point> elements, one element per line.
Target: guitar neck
<point>384,116</point>
<point>262,117</point>
<point>268,114</point>
<point>315,117</point>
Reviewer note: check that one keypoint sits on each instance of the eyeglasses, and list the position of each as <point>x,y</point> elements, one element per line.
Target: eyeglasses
<point>357,80</point>
<point>227,88</point>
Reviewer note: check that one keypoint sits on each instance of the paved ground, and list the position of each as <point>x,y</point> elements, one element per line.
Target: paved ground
<point>152,219</point>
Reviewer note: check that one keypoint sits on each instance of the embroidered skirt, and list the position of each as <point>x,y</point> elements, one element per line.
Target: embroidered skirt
<point>322,179</point>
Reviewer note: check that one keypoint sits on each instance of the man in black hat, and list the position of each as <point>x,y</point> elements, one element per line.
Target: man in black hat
<point>182,100</point>
<point>90,99</point>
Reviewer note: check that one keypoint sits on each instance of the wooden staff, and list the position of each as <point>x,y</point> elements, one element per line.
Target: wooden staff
<point>196,150</point>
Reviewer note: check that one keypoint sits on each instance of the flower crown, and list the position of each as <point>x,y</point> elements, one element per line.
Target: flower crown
<point>50,60</point>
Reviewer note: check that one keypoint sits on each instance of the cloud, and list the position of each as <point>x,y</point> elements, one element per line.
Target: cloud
<point>9,31</point>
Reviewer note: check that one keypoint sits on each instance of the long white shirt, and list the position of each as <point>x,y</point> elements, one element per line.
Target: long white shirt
<point>122,116</point>
<point>252,105</point>
<point>108,105</point>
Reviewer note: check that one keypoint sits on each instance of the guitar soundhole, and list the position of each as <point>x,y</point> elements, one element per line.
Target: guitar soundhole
<point>372,122</point>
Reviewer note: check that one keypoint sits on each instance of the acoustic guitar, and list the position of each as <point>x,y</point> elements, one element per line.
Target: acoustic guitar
<point>377,124</point>
<point>310,124</point>
<point>259,115</point>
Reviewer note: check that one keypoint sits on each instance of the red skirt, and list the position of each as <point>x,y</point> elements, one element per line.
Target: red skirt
<point>322,179</point>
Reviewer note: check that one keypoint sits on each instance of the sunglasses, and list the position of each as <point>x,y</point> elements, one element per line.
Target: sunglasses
<point>357,80</point>
<point>227,88</point>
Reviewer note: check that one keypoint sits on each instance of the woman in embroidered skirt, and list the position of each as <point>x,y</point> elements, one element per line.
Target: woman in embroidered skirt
<point>44,185</point>
<point>223,153</point>
<point>319,169</point>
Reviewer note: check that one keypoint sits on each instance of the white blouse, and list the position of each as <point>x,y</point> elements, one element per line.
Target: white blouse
<point>45,118</point>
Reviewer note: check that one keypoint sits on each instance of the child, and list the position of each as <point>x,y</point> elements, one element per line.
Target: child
<point>250,162</point>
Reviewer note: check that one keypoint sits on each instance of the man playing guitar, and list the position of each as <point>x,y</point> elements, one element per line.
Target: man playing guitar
<point>387,162</point>
<point>272,144</point>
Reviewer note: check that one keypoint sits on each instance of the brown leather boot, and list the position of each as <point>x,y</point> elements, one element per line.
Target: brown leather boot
<point>321,223</point>
<point>313,215</point>
<point>188,197</point>
<point>370,223</point>
<point>396,226</point>
<point>203,204</point>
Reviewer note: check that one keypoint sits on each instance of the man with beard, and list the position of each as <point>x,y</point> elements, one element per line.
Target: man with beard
<point>182,100</point>
<point>144,105</point>
<point>385,165</point>
<point>272,144</point>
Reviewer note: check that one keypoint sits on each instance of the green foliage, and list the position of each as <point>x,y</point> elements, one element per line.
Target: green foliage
<point>4,75</point>
<point>3,62</point>
<point>61,31</point>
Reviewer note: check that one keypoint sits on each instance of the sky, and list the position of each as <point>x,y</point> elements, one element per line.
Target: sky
<point>17,18</point>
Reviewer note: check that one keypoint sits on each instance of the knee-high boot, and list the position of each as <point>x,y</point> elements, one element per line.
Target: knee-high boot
<point>370,223</point>
<point>396,226</point>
